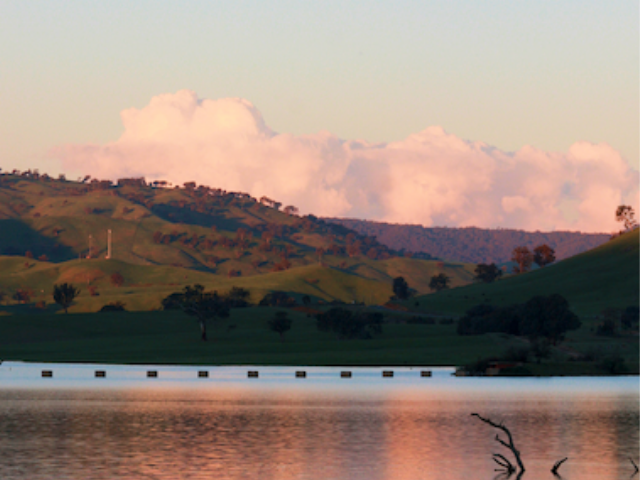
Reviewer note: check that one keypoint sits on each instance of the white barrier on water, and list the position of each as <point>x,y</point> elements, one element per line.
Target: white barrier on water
<point>13,373</point>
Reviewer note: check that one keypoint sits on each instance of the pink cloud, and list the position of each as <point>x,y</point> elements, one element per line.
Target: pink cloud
<point>430,178</point>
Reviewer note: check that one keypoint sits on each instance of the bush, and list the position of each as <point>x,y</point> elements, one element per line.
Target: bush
<point>516,354</point>
<point>518,371</point>
<point>278,299</point>
<point>421,321</point>
<point>607,328</point>
<point>117,280</point>
<point>350,325</point>
<point>113,307</point>
<point>613,364</point>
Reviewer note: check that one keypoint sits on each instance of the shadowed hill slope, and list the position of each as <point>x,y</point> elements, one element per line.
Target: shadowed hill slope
<point>471,244</point>
<point>607,276</point>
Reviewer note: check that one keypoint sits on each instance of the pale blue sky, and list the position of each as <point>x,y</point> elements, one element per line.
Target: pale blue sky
<point>545,73</point>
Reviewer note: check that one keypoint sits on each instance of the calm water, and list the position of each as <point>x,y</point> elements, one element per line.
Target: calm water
<point>276,427</point>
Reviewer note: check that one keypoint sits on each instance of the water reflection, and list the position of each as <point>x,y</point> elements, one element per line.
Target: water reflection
<point>242,433</point>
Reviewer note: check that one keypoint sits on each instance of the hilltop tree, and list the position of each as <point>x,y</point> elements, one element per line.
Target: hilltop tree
<point>523,257</point>
<point>487,273</point>
<point>64,294</point>
<point>439,282</point>
<point>626,215</point>
<point>544,255</point>
<point>280,324</point>
<point>401,288</point>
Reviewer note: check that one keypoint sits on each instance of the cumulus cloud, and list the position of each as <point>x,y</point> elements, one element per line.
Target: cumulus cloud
<point>429,178</point>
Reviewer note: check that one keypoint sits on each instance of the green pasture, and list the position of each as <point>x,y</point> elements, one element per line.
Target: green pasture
<point>606,276</point>
<point>171,337</point>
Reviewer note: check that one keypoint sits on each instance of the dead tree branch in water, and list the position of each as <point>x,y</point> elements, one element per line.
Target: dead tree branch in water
<point>507,466</point>
<point>510,445</point>
<point>556,465</point>
<point>634,466</point>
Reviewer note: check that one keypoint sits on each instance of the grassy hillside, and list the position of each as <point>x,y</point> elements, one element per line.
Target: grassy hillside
<point>606,276</point>
<point>54,231</point>
<point>360,281</point>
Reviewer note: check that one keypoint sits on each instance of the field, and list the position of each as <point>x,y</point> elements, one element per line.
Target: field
<point>170,337</point>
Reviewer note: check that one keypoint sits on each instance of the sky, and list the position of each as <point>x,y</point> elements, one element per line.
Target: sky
<point>450,113</point>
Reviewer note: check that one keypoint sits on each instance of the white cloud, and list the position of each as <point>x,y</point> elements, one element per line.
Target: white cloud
<point>430,178</point>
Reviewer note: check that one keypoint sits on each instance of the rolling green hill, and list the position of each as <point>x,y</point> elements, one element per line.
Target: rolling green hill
<point>606,276</point>
<point>54,231</point>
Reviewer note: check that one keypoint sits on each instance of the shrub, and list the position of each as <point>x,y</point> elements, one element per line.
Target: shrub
<point>516,354</point>
<point>613,364</point>
<point>117,280</point>
<point>350,325</point>
<point>113,307</point>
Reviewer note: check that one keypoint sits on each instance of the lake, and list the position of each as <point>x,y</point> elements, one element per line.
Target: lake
<point>277,426</point>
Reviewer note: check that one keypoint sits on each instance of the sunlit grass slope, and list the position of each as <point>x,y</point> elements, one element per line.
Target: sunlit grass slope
<point>165,238</point>
<point>606,276</point>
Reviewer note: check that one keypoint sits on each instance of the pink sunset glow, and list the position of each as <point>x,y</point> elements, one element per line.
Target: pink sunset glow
<point>431,177</point>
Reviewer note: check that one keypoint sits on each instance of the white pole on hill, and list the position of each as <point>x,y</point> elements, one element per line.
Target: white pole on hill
<point>109,243</point>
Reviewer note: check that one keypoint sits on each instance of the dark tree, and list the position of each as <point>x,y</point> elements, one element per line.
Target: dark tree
<point>523,257</point>
<point>280,324</point>
<point>548,317</point>
<point>277,299</point>
<point>22,295</point>
<point>64,294</point>
<point>306,300</point>
<point>544,255</point>
<point>204,306</point>
<point>238,297</point>
<point>350,325</point>
<point>117,280</point>
<point>626,215</point>
<point>439,282</point>
<point>401,288</point>
<point>487,273</point>
<point>629,317</point>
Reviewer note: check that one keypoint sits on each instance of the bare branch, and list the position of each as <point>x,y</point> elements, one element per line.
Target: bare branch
<point>556,465</point>
<point>634,465</point>
<point>503,462</point>
<point>510,445</point>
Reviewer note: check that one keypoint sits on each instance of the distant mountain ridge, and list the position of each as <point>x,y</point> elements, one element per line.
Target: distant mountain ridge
<point>471,244</point>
